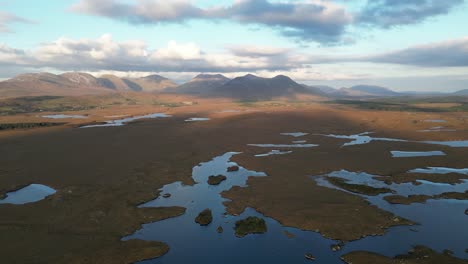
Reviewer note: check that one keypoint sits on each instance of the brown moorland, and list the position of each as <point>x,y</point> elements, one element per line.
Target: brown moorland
<point>102,174</point>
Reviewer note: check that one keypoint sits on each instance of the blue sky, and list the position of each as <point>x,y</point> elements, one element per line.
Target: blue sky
<point>406,45</point>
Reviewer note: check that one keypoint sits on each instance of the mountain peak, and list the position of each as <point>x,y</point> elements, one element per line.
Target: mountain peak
<point>204,76</point>
<point>155,77</point>
<point>251,76</point>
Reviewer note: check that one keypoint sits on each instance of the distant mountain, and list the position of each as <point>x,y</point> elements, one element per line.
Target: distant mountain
<point>462,92</point>
<point>365,91</point>
<point>257,88</point>
<point>153,83</point>
<point>326,89</point>
<point>149,83</point>
<point>202,84</point>
<point>77,83</point>
<point>321,89</point>
<point>38,84</point>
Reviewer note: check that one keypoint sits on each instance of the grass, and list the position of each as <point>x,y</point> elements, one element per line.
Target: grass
<point>204,218</point>
<point>27,125</point>
<point>398,199</point>
<point>357,188</point>
<point>250,225</point>
<point>216,180</point>
<point>409,104</point>
<point>22,105</point>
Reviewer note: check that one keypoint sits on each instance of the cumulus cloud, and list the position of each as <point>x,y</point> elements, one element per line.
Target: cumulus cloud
<point>451,53</point>
<point>7,18</point>
<point>390,13</point>
<point>258,51</point>
<point>10,55</point>
<point>184,59</point>
<point>104,53</point>
<point>317,20</point>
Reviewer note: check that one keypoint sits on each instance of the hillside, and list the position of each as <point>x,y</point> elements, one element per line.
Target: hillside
<point>202,84</point>
<point>251,87</point>
<point>77,83</point>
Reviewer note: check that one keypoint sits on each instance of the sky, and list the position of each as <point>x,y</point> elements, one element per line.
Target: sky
<point>401,44</point>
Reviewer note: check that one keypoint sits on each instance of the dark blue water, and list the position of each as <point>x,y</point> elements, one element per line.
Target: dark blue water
<point>442,224</point>
<point>192,243</point>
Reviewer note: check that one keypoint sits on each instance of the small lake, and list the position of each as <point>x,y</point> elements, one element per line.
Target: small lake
<point>435,121</point>
<point>438,129</point>
<point>124,121</point>
<point>197,119</point>
<point>65,116</point>
<point>361,139</point>
<point>295,134</point>
<point>440,170</point>
<point>453,144</point>
<point>299,141</point>
<point>274,152</point>
<point>283,145</point>
<point>29,194</point>
<point>409,154</point>
<point>364,138</point>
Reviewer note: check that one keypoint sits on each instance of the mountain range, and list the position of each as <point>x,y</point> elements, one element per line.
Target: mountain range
<point>77,83</point>
<point>249,87</point>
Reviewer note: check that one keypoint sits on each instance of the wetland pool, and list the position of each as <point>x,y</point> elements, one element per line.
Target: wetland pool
<point>29,194</point>
<point>190,242</point>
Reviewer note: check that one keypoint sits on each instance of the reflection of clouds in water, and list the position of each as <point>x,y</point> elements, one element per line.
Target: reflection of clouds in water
<point>361,178</point>
<point>197,119</point>
<point>295,134</point>
<point>65,116</point>
<point>122,122</point>
<point>274,152</point>
<point>441,223</point>
<point>283,145</point>
<point>363,138</point>
<point>29,194</point>
<point>408,154</point>
<point>440,170</point>
<point>182,234</point>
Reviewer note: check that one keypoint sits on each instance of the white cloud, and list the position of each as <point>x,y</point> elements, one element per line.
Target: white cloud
<point>175,51</point>
<point>316,20</point>
<point>105,53</point>
<point>6,19</point>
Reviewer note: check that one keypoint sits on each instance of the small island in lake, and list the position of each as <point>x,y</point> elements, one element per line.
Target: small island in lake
<point>250,225</point>
<point>204,218</point>
<point>216,180</point>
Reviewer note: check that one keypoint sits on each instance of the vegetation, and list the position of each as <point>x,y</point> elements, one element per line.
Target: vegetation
<point>398,199</point>
<point>216,180</point>
<point>420,254</point>
<point>233,169</point>
<point>357,188</point>
<point>27,125</point>
<point>21,105</point>
<point>410,104</point>
<point>204,218</point>
<point>250,225</point>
